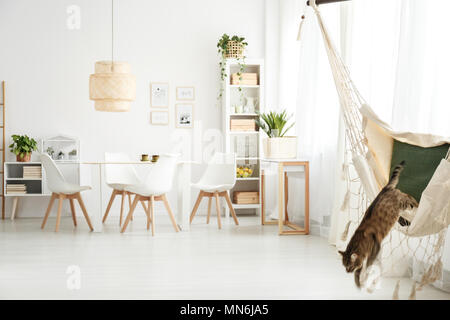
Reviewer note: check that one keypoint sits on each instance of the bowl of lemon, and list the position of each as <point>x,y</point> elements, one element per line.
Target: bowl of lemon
<point>244,171</point>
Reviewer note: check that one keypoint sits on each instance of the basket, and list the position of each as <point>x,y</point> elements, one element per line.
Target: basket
<point>235,50</point>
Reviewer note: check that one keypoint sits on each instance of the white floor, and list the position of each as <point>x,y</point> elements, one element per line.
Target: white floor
<point>244,262</point>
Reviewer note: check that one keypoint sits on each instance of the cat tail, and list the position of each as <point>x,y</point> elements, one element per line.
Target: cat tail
<point>395,176</point>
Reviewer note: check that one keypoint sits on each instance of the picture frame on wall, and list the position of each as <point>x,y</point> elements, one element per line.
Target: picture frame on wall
<point>184,115</point>
<point>186,93</point>
<point>159,95</point>
<point>159,118</point>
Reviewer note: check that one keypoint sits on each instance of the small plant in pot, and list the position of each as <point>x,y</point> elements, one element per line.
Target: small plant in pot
<point>277,145</point>
<point>22,147</point>
<point>231,47</point>
<point>73,155</point>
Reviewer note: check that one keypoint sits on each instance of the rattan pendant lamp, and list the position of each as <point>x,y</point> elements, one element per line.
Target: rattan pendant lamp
<point>112,87</point>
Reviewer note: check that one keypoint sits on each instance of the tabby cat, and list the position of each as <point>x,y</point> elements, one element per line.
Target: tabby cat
<point>378,220</point>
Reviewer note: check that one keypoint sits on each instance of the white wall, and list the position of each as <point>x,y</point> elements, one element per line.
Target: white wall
<point>47,66</point>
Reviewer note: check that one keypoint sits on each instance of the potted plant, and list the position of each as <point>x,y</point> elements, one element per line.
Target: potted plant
<point>277,145</point>
<point>73,154</point>
<point>60,155</point>
<point>51,152</point>
<point>231,47</point>
<point>22,147</point>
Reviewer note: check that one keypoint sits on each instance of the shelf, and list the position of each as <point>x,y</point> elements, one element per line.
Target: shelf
<point>244,132</point>
<point>26,179</point>
<point>246,206</point>
<point>248,179</point>
<point>244,114</point>
<point>247,158</point>
<point>244,86</point>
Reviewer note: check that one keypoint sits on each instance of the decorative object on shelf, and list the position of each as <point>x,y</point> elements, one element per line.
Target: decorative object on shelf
<point>155,157</point>
<point>277,145</point>
<point>16,188</point>
<point>73,154</point>
<point>244,79</point>
<point>51,152</point>
<point>184,115</point>
<point>245,171</point>
<point>112,87</point>
<point>159,117</point>
<point>185,93</point>
<point>242,125</point>
<point>62,147</point>
<point>239,109</point>
<point>230,48</point>
<point>250,106</point>
<point>22,147</point>
<point>32,172</point>
<point>144,157</point>
<point>159,95</point>
<point>246,197</point>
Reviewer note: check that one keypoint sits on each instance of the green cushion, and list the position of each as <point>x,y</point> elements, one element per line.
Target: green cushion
<point>419,167</point>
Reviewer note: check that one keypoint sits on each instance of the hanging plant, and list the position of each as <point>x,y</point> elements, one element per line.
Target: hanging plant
<point>229,48</point>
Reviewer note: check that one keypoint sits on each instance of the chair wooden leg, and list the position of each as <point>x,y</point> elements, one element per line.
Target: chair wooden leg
<point>209,210</point>
<point>197,203</point>
<point>111,200</point>
<point>144,205</point>
<point>83,209</point>
<point>130,203</point>
<point>152,206</point>
<point>230,205</point>
<point>147,211</point>
<point>121,207</point>
<point>58,214</point>
<point>72,209</point>
<point>219,223</point>
<point>133,206</point>
<point>49,208</point>
<point>169,210</point>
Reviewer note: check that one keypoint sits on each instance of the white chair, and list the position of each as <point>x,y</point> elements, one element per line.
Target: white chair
<point>119,176</point>
<point>218,179</point>
<point>154,188</point>
<point>62,190</point>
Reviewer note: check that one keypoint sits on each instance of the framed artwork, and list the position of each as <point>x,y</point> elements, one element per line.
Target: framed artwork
<point>159,95</point>
<point>185,93</point>
<point>184,115</point>
<point>159,118</point>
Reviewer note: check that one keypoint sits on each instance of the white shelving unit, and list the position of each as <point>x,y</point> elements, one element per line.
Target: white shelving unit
<point>37,187</point>
<point>232,96</point>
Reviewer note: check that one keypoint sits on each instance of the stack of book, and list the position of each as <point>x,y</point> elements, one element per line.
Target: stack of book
<point>32,172</point>
<point>16,188</point>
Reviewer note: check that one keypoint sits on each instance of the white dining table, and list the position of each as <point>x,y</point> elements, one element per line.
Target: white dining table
<point>182,185</point>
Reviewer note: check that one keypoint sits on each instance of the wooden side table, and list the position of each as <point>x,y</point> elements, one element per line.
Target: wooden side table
<point>282,167</point>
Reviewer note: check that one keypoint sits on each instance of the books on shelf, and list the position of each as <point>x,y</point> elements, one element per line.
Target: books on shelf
<point>32,172</point>
<point>16,188</point>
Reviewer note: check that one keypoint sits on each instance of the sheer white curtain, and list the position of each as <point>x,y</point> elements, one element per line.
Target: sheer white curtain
<point>398,57</point>
<point>306,90</point>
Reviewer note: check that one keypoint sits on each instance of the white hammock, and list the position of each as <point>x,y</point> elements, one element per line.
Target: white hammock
<point>369,146</point>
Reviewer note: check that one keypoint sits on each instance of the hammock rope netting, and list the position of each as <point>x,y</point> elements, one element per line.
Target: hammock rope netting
<point>404,252</point>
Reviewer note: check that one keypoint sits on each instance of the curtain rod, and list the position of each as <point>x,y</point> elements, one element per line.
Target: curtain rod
<point>319,2</point>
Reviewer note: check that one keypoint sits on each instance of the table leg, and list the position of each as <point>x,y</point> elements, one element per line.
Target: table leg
<point>14,207</point>
<point>97,214</point>
<point>183,195</point>
<point>280,198</point>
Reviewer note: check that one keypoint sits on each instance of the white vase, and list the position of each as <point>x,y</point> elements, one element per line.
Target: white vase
<point>250,105</point>
<point>280,148</point>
